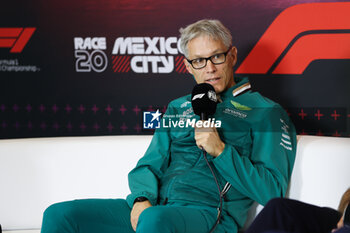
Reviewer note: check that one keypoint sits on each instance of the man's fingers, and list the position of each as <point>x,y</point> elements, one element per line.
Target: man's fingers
<point>133,220</point>
<point>199,139</point>
<point>136,211</point>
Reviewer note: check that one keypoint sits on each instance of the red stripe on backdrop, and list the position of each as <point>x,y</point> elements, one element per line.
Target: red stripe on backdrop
<point>22,40</point>
<point>114,58</point>
<point>127,64</point>
<point>178,69</point>
<point>313,47</point>
<point>122,63</point>
<point>178,60</point>
<point>115,61</point>
<point>184,70</point>
<point>10,32</point>
<point>178,63</point>
<point>6,43</point>
<point>119,58</point>
<point>289,24</point>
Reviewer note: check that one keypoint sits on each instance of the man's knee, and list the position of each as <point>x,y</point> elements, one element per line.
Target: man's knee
<point>277,203</point>
<point>59,213</point>
<point>285,207</point>
<point>154,219</point>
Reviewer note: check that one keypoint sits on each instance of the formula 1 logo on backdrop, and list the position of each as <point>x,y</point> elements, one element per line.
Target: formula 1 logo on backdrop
<point>90,55</point>
<point>15,38</point>
<point>299,35</point>
<point>147,55</point>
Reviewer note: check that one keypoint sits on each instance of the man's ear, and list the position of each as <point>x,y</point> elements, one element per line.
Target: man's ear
<point>188,66</point>
<point>234,55</point>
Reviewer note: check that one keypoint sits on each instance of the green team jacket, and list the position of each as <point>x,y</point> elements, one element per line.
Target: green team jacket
<point>257,160</point>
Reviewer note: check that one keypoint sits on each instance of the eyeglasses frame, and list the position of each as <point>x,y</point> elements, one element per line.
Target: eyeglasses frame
<point>209,58</point>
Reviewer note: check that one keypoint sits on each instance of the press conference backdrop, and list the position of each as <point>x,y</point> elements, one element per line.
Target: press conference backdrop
<point>92,67</point>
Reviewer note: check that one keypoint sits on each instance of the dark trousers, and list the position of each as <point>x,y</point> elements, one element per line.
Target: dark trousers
<point>290,216</point>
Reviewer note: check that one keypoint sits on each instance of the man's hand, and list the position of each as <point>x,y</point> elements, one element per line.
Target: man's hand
<point>209,140</point>
<point>339,225</point>
<point>137,209</point>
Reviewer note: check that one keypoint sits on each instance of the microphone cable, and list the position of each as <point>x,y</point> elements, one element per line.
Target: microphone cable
<point>220,193</point>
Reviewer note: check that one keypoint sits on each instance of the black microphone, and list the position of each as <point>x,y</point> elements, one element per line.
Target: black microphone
<point>204,103</point>
<point>204,100</point>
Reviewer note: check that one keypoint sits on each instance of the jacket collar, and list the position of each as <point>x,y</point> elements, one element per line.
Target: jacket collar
<point>242,85</point>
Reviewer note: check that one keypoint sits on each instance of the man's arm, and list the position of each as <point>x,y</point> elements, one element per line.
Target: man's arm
<point>265,172</point>
<point>144,178</point>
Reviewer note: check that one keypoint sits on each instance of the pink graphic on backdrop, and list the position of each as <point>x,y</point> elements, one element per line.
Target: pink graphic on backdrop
<point>94,108</point>
<point>122,109</point>
<point>109,109</point>
<point>55,108</point>
<point>68,108</point>
<point>81,109</point>
<point>110,127</point>
<point>136,110</point>
<point>29,108</point>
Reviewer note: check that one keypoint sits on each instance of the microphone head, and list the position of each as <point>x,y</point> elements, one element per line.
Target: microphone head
<point>204,99</point>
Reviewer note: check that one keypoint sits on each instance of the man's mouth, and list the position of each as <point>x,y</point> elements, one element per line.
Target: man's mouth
<point>212,80</point>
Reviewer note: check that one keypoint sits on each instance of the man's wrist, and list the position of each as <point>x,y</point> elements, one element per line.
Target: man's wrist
<point>220,149</point>
<point>140,199</point>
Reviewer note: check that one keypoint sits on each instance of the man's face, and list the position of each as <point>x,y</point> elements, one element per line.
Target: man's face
<point>219,76</point>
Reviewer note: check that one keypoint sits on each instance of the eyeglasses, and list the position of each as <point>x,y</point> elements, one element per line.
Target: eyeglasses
<point>217,59</point>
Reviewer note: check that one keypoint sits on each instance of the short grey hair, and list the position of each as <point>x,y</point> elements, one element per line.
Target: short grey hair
<point>205,27</point>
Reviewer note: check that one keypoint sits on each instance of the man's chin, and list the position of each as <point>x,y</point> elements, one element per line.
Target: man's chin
<point>218,89</point>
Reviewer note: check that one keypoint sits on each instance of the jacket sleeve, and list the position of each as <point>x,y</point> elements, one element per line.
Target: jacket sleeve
<point>144,178</point>
<point>264,173</point>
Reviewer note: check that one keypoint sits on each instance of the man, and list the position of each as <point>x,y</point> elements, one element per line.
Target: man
<point>172,189</point>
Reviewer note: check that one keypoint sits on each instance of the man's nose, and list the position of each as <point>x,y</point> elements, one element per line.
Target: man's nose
<point>210,67</point>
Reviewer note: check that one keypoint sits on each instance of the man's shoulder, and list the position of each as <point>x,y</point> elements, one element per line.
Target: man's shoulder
<point>262,106</point>
<point>181,102</point>
<point>257,100</point>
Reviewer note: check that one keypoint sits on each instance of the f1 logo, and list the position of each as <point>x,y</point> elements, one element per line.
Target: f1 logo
<point>299,35</point>
<point>15,38</point>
